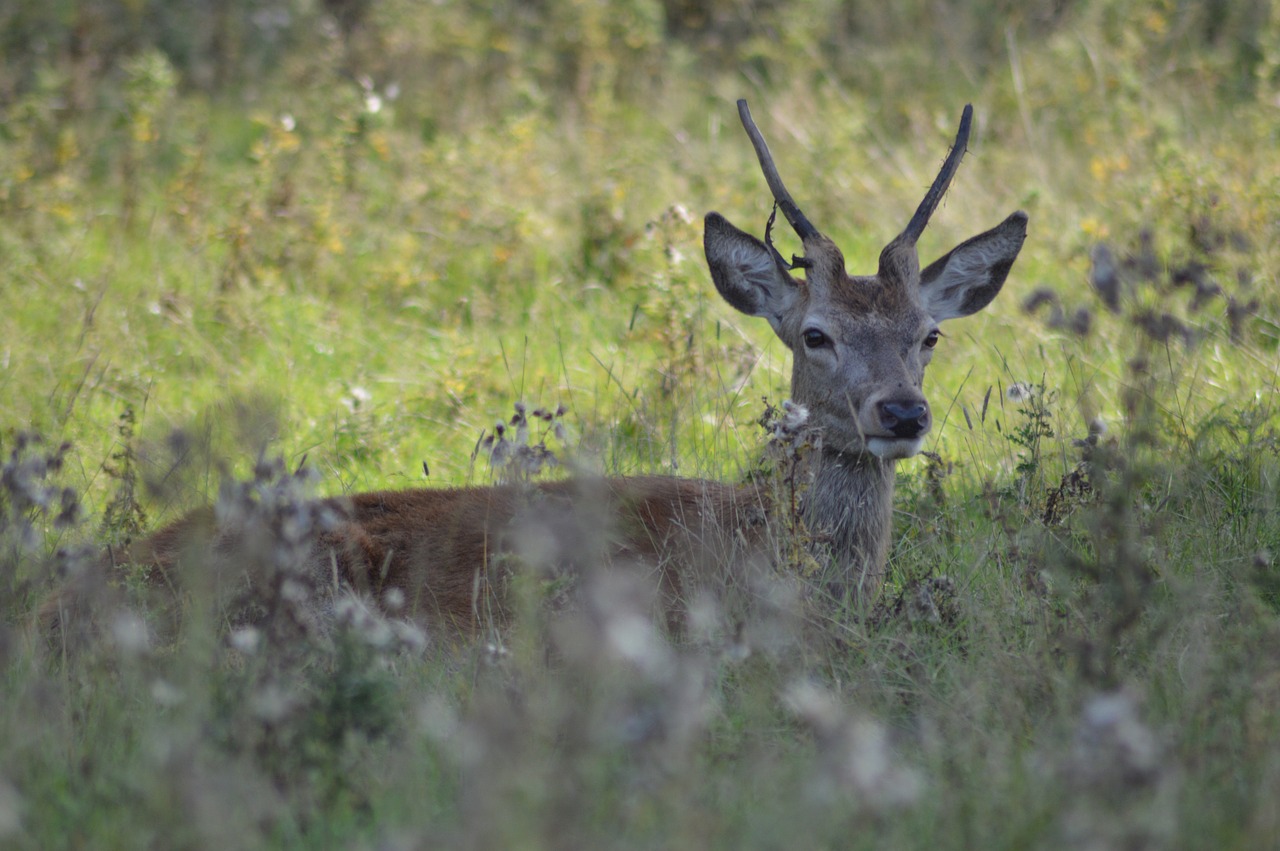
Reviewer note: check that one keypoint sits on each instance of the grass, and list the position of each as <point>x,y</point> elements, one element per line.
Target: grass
<point>285,267</point>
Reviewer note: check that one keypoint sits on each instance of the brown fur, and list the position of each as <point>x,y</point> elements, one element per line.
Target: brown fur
<point>449,550</point>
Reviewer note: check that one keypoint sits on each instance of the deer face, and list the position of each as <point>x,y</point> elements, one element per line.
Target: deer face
<point>861,343</point>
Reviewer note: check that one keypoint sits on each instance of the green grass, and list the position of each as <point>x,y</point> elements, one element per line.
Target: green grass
<point>271,267</point>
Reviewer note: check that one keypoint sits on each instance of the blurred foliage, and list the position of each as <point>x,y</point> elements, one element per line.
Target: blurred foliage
<point>575,50</point>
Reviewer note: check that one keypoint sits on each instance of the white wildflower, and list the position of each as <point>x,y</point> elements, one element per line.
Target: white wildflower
<point>293,591</point>
<point>355,614</point>
<point>129,634</point>
<point>271,703</point>
<point>359,397</point>
<point>438,718</point>
<point>794,416</point>
<point>1112,742</point>
<point>166,694</point>
<point>632,638</point>
<point>410,636</point>
<point>246,640</point>
<point>393,599</point>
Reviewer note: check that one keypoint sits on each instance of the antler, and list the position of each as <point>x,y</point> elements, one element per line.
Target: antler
<point>939,188</point>
<point>781,196</point>
<point>899,260</point>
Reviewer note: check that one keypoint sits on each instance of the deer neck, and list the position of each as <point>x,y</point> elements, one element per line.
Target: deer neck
<point>848,512</point>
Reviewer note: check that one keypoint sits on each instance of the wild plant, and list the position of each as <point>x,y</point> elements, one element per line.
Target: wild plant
<point>1028,433</point>
<point>790,441</point>
<point>512,457</point>
<point>125,516</point>
<point>673,298</point>
<point>149,87</point>
<point>35,510</point>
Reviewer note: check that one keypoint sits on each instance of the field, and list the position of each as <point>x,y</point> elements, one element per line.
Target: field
<point>296,249</point>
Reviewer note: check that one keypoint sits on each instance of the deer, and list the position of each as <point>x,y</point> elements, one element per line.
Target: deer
<point>860,345</point>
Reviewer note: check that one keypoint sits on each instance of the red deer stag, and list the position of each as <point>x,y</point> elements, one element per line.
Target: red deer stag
<point>860,347</point>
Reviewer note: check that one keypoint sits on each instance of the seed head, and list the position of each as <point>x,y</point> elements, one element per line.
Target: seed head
<point>1019,391</point>
<point>129,634</point>
<point>246,639</point>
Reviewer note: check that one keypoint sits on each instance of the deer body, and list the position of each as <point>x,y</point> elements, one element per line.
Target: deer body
<point>860,346</point>
<point>452,552</point>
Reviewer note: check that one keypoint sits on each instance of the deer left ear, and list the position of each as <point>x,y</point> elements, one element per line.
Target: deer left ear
<point>745,272</point>
<point>969,276</point>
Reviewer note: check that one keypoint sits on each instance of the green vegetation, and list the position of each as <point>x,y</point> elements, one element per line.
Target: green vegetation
<point>350,235</point>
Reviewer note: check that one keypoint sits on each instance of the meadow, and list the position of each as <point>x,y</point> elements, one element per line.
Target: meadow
<point>292,249</point>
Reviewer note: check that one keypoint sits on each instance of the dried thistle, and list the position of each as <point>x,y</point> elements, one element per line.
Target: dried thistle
<point>1237,313</point>
<point>511,454</point>
<point>791,440</point>
<point>1104,276</point>
<point>858,761</point>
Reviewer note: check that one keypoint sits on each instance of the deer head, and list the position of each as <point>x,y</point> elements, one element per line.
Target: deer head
<point>860,342</point>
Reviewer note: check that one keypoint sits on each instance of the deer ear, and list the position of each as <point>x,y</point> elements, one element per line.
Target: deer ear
<point>969,276</point>
<point>746,273</point>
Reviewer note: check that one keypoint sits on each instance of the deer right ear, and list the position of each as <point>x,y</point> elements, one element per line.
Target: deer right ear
<point>745,272</point>
<point>969,276</point>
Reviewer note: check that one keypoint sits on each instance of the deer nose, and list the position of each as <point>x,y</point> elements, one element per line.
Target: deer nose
<point>904,418</point>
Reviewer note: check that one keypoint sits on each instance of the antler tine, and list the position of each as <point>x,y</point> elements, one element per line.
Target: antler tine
<point>799,223</point>
<point>939,188</point>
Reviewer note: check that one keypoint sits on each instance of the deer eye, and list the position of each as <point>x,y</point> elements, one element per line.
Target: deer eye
<point>931,339</point>
<point>815,339</point>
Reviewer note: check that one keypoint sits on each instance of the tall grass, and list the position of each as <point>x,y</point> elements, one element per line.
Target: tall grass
<point>332,265</point>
